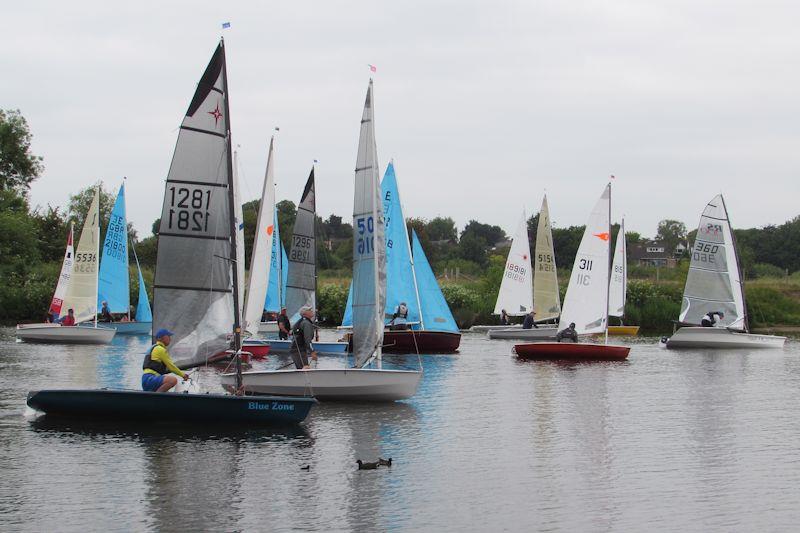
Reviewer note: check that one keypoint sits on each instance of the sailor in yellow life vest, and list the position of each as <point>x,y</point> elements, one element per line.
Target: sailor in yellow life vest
<point>156,376</point>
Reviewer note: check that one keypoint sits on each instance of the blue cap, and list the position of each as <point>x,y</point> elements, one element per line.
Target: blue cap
<point>163,333</point>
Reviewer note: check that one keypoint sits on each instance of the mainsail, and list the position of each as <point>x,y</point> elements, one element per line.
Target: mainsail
<point>617,289</point>
<point>113,284</point>
<point>302,279</point>
<point>516,293</point>
<point>263,244</point>
<point>63,278</point>
<point>369,248</point>
<point>546,299</point>
<point>438,316</point>
<point>401,283</point>
<point>714,282</point>
<point>82,291</point>
<point>586,302</point>
<point>193,293</point>
<point>278,271</point>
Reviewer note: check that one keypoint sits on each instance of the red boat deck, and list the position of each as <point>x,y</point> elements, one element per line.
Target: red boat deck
<point>574,351</point>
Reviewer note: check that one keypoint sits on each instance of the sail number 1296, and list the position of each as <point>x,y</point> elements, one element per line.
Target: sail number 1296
<point>189,209</point>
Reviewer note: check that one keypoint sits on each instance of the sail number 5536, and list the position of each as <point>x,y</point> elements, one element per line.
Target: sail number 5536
<point>365,244</point>
<point>189,209</point>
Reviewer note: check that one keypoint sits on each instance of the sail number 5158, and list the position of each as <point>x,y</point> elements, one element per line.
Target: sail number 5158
<point>365,244</point>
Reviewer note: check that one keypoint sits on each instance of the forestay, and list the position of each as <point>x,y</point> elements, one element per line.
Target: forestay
<point>263,244</point>
<point>618,286</point>
<point>301,281</point>
<point>82,290</point>
<point>369,247</point>
<point>63,278</point>
<point>516,291</point>
<point>113,284</point>
<point>437,313</point>
<point>586,302</point>
<point>713,282</point>
<point>193,293</point>
<point>546,298</point>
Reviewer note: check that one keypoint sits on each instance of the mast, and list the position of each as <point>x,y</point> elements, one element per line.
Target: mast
<point>237,328</point>
<point>96,253</point>
<point>127,259</point>
<point>738,267</point>
<point>624,267</point>
<point>379,309</point>
<point>608,259</point>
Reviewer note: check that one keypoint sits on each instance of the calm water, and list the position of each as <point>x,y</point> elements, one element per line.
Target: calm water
<point>701,441</point>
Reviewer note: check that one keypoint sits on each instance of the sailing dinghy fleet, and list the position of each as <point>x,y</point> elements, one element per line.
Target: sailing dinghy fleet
<point>200,294</point>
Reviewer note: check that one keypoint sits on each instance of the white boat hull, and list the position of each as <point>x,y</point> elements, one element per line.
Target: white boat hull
<point>132,328</point>
<point>57,334</point>
<point>268,327</point>
<point>533,334</point>
<point>699,337</point>
<point>285,346</point>
<point>351,384</point>
<point>484,329</point>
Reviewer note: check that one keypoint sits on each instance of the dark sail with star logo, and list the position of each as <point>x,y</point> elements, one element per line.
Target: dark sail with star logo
<point>193,291</point>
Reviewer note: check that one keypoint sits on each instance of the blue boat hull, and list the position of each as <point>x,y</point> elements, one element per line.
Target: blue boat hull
<point>132,328</point>
<point>176,407</point>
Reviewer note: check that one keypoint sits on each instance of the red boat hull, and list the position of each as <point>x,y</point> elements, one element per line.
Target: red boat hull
<point>257,349</point>
<point>574,351</point>
<point>409,341</point>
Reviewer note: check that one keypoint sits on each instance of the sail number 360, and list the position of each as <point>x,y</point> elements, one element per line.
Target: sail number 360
<point>366,235</point>
<point>189,209</point>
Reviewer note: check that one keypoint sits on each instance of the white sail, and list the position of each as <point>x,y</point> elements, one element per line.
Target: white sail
<point>618,285</point>
<point>546,298</point>
<point>193,291</point>
<point>586,302</point>
<point>301,280</point>
<point>239,217</point>
<point>82,291</point>
<point>714,282</point>
<point>260,257</point>
<point>369,248</point>
<point>516,290</point>
<point>63,278</point>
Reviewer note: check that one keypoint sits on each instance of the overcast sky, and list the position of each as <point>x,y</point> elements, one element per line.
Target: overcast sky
<point>482,105</point>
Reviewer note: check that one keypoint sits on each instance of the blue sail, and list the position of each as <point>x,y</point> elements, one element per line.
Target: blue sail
<point>347,320</point>
<point>113,284</point>
<point>143,311</point>
<point>276,294</point>
<point>400,286</point>
<point>435,309</point>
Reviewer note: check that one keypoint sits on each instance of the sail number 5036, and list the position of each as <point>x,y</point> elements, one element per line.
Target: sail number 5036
<point>189,209</point>
<point>365,244</point>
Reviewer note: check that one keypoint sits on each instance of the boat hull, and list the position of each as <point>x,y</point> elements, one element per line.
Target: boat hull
<point>351,384</point>
<point>485,328</point>
<point>169,406</point>
<point>268,327</point>
<point>533,334</point>
<point>285,346</point>
<point>423,341</point>
<point>629,331</point>
<point>699,337</point>
<point>57,334</point>
<point>132,328</point>
<point>571,351</point>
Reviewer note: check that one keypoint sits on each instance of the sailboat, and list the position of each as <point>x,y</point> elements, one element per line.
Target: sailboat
<point>410,280</point>
<point>586,302</point>
<point>278,277</point>
<point>301,286</point>
<point>367,380</point>
<point>196,289</point>
<point>113,284</point>
<point>618,286</point>
<point>715,283</point>
<point>546,299</point>
<point>79,289</point>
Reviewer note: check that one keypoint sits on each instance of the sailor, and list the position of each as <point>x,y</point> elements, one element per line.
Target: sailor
<point>399,319</point>
<point>284,326</point>
<point>157,365</point>
<point>303,335</point>
<point>105,313</point>
<point>528,323</point>
<point>503,318</point>
<point>567,334</point>
<point>708,319</point>
<point>68,320</point>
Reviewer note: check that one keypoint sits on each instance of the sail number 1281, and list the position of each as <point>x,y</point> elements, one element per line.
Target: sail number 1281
<point>189,209</point>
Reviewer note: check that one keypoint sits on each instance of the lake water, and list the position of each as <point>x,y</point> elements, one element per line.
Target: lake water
<point>668,441</point>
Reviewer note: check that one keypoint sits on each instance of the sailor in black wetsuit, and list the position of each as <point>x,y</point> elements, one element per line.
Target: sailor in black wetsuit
<point>708,320</point>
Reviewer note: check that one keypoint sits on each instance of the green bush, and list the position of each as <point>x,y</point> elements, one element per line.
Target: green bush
<point>765,270</point>
<point>26,295</point>
<point>768,306</point>
<point>331,301</point>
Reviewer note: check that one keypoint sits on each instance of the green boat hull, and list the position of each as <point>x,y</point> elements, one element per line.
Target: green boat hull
<point>171,407</point>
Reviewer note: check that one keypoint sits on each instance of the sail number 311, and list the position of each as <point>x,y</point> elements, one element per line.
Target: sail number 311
<point>365,244</point>
<point>586,266</point>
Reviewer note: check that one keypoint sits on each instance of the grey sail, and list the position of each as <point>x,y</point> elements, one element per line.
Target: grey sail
<point>193,293</point>
<point>301,276</point>
<point>713,282</point>
<point>369,248</point>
